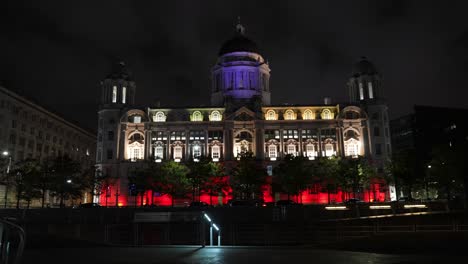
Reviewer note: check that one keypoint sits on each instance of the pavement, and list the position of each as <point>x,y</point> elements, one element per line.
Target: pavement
<point>227,255</point>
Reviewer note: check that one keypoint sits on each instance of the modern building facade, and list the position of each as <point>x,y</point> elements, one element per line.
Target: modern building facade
<point>27,130</point>
<point>241,118</point>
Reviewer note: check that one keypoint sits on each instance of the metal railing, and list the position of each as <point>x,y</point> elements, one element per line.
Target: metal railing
<point>12,240</point>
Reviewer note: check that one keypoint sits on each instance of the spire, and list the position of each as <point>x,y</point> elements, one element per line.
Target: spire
<point>239,28</point>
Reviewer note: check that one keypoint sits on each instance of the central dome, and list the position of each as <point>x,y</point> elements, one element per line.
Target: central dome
<point>364,67</point>
<point>238,43</point>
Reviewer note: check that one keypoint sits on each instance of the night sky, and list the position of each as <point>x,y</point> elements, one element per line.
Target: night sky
<point>57,52</point>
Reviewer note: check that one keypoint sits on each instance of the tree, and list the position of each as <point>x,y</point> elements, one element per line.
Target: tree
<point>328,171</point>
<point>293,175</point>
<point>216,182</point>
<point>402,168</point>
<point>26,174</point>
<point>248,177</point>
<point>172,180</point>
<point>355,174</point>
<point>139,182</point>
<point>65,176</point>
<point>199,175</point>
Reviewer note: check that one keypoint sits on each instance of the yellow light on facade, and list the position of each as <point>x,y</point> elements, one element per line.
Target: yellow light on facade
<point>377,207</point>
<point>409,206</point>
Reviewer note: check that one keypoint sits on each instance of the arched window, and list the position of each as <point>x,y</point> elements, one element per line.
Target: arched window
<point>215,116</point>
<point>159,117</point>
<point>326,114</point>
<point>272,152</point>
<point>197,116</point>
<point>114,94</point>
<point>270,115</point>
<point>291,149</point>
<point>289,115</point>
<point>215,153</point>
<point>307,115</point>
<point>124,95</point>
<point>196,151</point>
<point>329,150</point>
<point>310,151</point>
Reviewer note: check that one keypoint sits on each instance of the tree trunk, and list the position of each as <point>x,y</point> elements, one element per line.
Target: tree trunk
<point>328,192</point>
<point>172,200</point>
<point>211,197</point>
<point>43,198</point>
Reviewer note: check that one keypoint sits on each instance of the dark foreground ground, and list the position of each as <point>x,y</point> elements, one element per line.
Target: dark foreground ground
<point>243,255</point>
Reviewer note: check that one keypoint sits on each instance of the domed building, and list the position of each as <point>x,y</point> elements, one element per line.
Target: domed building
<point>241,119</point>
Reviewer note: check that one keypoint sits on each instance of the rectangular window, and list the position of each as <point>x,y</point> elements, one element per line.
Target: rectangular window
<point>177,153</point>
<point>137,119</point>
<point>291,150</point>
<point>110,154</point>
<point>310,151</point>
<point>378,149</point>
<point>136,154</point>
<point>361,91</point>
<point>159,152</point>
<point>114,94</point>
<point>215,153</point>
<point>110,135</point>
<point>376,131</point>
<point>124,95</point>
<point>371,90</point>
<point>272,151</point>
<point>329,150</point>
<point>196,151</point>
<point>215,135</point>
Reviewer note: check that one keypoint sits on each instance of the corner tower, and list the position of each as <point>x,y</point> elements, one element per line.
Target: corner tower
<point>241,74</point>
<point>365,90</point>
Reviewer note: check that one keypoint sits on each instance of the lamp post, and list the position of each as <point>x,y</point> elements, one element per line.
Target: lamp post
<point>425,182</point>
<point>7,154</point>
<point>19,180</point>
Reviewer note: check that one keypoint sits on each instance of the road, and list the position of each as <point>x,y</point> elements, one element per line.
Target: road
<point>228,255</point>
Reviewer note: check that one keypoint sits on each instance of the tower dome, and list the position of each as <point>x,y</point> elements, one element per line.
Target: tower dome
<point>238,43</point>
<point>120,71</point>
<point>364,67</point>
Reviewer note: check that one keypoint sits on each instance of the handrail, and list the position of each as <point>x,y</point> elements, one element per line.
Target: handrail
<point>7,227</point>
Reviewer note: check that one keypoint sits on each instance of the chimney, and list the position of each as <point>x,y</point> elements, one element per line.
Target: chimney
<point>327,100</point>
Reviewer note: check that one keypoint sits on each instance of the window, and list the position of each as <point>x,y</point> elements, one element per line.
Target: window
<point>376,131</point>
<point>270,115</point>
<point>307,115</point>
<point>13,123</point>
<point>215,135</point>
<point>378,149</point>
<point>177,153</point>
<point>326,114</point>
<point>196,151</point>
<point>159,152</point>
<point>215,116</point>
<point>114,94</point>
<point>290,133</point>
<point>291,149</point>
<point>124,95</point>
<point>110,135</point>
<point>110,154</point>
<point>351,147</point>
<point>289,115</point>
<point>136,119</point>
<point>197,116</point>
<point>272,153</point>
<point>361,91</point>
<point>329,150</point>
<point>159,117</point>
<point>215,153</point>
<point>310,151</point>
<point>371,90</point>
<point>271,134</point>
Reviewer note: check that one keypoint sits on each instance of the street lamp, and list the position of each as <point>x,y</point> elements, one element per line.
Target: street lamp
<point>6,154</point>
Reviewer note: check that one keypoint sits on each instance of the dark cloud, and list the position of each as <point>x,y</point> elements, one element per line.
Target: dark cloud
<point>58,51</point>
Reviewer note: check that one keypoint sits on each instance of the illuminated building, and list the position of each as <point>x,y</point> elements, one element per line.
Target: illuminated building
<point>241,118</point>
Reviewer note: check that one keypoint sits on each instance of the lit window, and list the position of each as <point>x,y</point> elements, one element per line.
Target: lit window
<point>159,152</point>
<point>159,117</point>
<point>289,115</point>
<point>197,116</point>
<point>272,153</point>
<point>371,90</point>
<point>310,151</point>
<point>114,94</point>
<point>270,115</point>
<point>124,94</point>
<point>329,150</point>
<point>196,151</point>
<point>291,149</point>
<point>137,119</point>
<point>177,153</point>
<point>361,92</point>
<point>215,116</point>
<point>308,115</point>
<point>351,147</point>
<point>136,154</point>
<point>215,153</point>
<point>326,114</point>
